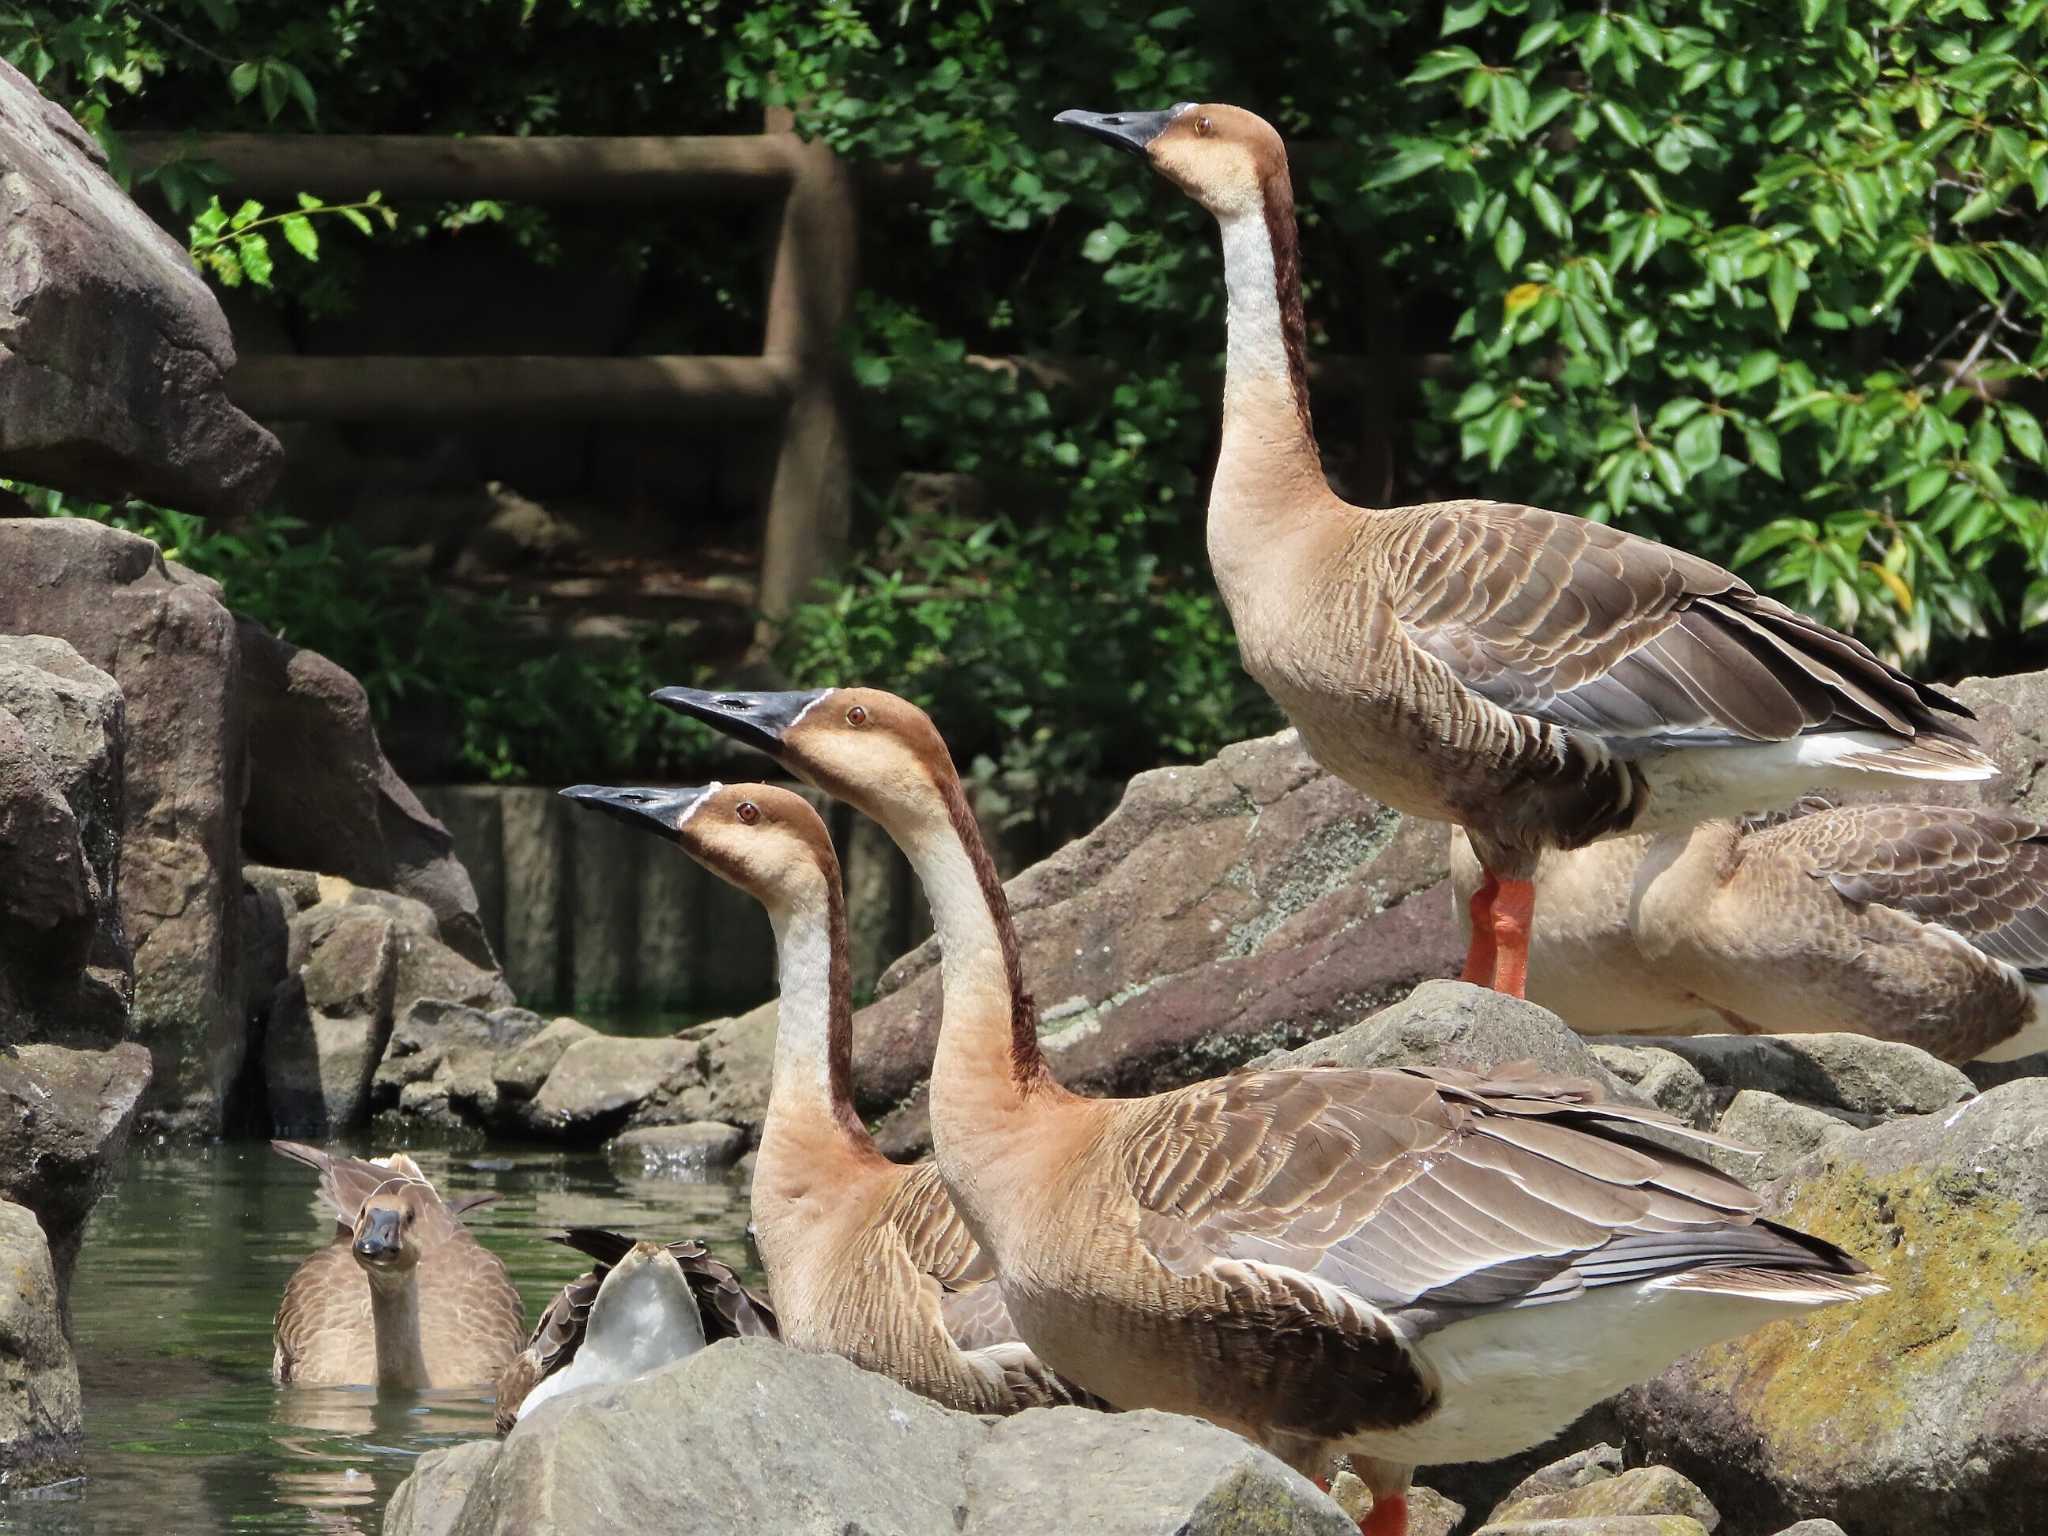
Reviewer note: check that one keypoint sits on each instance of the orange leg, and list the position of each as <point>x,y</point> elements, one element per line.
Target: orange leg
<point>1514,908</point>
<point>1387,1517</point>
<point>1479,953</point>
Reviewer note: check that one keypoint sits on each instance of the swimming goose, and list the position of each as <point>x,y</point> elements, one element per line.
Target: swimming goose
<point>1540,680</point>
<point>645,1305</point>
<point>865,1258</point>
<point>404,1297</point>
<point>1924,924</point>
<point>1404,1267</point>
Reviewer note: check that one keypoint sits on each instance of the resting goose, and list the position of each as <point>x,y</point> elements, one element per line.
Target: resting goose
<point>1540,680</point>
<point>643,1306</point>
<point>1404,1267</point>
<point>865,1258</point>
<point>404,1297</point>
<point>1919,923</point>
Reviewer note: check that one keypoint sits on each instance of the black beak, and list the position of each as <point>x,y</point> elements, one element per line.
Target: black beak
<point>1130,131</point>
<point>657,810</point>
<point>377,1236</point>
<point>758,719</point>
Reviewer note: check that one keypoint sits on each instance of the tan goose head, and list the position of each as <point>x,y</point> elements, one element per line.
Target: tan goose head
<point>767,841</point>
<point>878,753</point>
<point>393,1227</point>
<point>1225,158</point>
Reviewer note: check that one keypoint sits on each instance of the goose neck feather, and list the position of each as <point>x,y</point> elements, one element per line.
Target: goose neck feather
<point>395,1316</point>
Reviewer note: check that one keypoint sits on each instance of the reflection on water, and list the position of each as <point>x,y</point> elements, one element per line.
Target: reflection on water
<point>180,1275</point>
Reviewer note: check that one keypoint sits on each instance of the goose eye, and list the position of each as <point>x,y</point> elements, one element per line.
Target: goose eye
<point>1204,127</point>
<point>857,716</point>
<point>748,813</point>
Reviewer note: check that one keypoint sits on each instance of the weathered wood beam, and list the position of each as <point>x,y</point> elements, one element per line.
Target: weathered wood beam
<point>277,387</point>
<point>644,169</point>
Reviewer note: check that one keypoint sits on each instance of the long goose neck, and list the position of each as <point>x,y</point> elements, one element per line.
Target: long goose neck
<point>1269,474</point>
<point>395,1318</point>
<point>988,1035</point>
<point>812,1086</point>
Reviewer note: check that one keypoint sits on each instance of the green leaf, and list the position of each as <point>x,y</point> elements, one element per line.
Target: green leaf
<point>242,79</point>
<point>1505,433</point>
<point>1461,15</point>
<point>2024,430</point>
<point>1773,535</point>
<point>1784,289</point>
<point>1698,443</point>
<point>302,92</point>
<point>1476,401</point>
<point>2034,606</point>
<point>1549,211</point>
<point>1626,125</point>
<point>357,218</point>
<point>1538,34</point>
<point>1406,163</point>
<point>1762,444</point>
<point>1103,244</point>
<point>1826,221</point>
<point>1508,243</point>
<point>1755,369</point>
<point>300,235</point>
<point>253,251</point>
<point>1923,487</point>
<point>1441,62</point>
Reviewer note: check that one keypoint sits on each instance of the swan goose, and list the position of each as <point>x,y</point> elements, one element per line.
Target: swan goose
<point>643,1306</point>
<point>865,1258</point>
<point>1405,1267</point>
<point>1923,924</point>
<point>404,1297</point>
<point>1540,680</point>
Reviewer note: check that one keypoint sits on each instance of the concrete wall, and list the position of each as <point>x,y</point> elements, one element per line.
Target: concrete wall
<point>584,912</point>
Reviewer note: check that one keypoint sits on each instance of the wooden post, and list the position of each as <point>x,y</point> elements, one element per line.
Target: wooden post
<point>810,298</point>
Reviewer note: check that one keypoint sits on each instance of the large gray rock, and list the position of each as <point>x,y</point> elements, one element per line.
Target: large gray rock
<point>330,1019</point>
<point>1918,1408</point>
<point>40,1436</point>
<point>65,966</point>
<point>429,1502</point>
<point>1834,1071</point>
<point>600,1081</point>
<point>113,351</point>
<point>322,796</point>
<point>1776,1132</point>
<point>750,1437</point>
<point>65,1116</point>
<point>163,635</point>
<point>442,1060</point>
<point>1637,1492</point>
<point>1244,904</point>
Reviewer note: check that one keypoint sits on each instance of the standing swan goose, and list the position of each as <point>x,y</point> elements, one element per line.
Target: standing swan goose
<point>404,1297</point>
<point>644,1306</point>
<point>865,1258</point>
<point>1924,924</point>
<point>1406,1267</point>
<point>1540,680</point>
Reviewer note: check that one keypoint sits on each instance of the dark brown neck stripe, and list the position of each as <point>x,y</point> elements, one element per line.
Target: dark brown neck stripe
<point>1286,242</point>
<point>839,1020</point>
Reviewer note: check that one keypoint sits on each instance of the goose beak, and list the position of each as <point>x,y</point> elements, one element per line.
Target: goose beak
<point>377,1238</point>
<point>1130,131</point>
<point>760,720</point>
<point>659,810</point>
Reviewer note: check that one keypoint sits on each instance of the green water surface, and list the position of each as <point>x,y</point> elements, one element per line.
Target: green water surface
<point>180,1275</point>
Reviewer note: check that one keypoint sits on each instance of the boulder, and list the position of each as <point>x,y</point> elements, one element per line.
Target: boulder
<point>40,1429</point>
<point>429,1502</point>
<point>1813,1528</point>
<point>1661,1078</point>
<point>755,1437</point>
<point>164,637</point>
<point>1639,1491</point>
<point>1222,910</point>
<point>1596,1525</point>
<point>114,354</point>
<point>65,966</point>
<point>330,1020</point>
<point>520,1071</point>
<point>442,1059</point>
<point>1777,1132</point>
<point>1596,1463</point>
<point>601,1081</point>
<point>1917,1408</point>
<point>65,1116</point>
<point>696,1150</point>
<point>1872,1078</point>
<point>1429,1512</point>
<point>323,797</point>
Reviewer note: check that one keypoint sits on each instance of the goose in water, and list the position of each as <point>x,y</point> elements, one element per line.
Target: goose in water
<point>866,1258</point>
<point>404,1297</point>
<point>1540,680</point>
<point>1404,1267</point>
<point>643,1306</point>
<point>1925,924</point>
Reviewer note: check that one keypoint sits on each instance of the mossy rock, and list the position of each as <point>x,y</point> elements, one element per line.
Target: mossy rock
<point>1919,1407</point>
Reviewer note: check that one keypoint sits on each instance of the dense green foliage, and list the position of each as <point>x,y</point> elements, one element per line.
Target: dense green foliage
<point>1760,279</point>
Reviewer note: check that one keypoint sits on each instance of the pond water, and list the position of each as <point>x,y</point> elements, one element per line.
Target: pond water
<point>179,1278</point>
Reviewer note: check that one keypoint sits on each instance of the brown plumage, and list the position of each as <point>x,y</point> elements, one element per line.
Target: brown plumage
<point>727,1310</point>
<point>1540,680</point>
<point>404,1297</point>
<point>1405,1267</point>
<point>1918,923</point>
<point>865,1258</point>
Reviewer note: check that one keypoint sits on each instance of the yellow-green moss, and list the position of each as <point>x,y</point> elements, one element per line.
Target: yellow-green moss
<point>1828,1389</point>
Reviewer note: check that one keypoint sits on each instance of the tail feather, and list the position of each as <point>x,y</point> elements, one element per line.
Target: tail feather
<point>1926,757</point>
